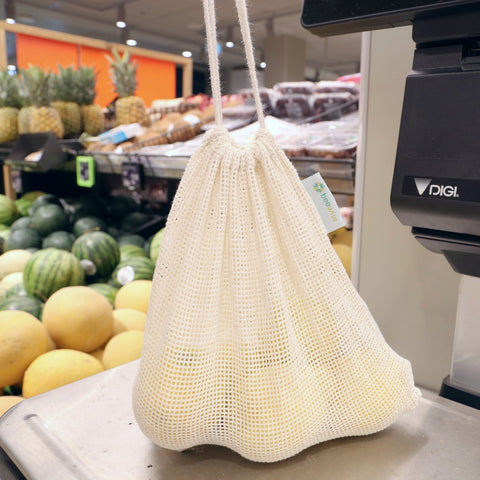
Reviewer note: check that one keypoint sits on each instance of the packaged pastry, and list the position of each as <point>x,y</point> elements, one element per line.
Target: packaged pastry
<point>265,97</point>
<point>293,106</point>
<point>336,145</point>
<point>240,111</point>
<point>321,103</point>
<point>306,88</point>
<point>325,86</point>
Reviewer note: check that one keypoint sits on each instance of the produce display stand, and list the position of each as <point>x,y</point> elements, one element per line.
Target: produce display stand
<point>185,63</point>
<point>87,430</point>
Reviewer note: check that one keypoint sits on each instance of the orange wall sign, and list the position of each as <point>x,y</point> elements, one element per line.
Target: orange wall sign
<point>156,78</point>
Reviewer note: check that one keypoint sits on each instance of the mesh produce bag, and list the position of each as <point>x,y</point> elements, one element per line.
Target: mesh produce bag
<point>255,338</point>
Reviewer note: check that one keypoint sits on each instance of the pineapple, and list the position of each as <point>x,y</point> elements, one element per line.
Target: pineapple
<point>92,114</point>
<point>23,120</point>
<point>64,91</point>
<point>128,107</point>
<point>9,104</point>
<point>44,118</point>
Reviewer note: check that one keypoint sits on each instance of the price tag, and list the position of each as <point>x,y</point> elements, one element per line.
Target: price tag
<point>133,175</point>
<point>85,171</point>
<point>16,179</point>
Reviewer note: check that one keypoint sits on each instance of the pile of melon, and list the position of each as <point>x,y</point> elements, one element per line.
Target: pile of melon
<point>81,334</point>
<point>65,264</point>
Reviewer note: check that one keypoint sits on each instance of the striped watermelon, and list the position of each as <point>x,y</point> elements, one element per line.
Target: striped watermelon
<point>130,251</point>
<point>108,291</point>
<point>155,245</point>
<point>131,239</point>
<point>25,303</point>
<point>49,218</point>
<point>88,224</point>
<point>23,206</point>
<point>50,270</point>
<point>8,211</point>
<point>23,238</point>
<point>136,268</point>
<point>98,252</point>
<point>23,222</point>
<point>61,239</point>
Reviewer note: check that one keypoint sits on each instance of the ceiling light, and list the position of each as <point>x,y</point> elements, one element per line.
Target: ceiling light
<point>229,43</point>
<point>131,42</point>
<point>187,54</point>
<point>10,11</point>
<point>263,65</point>
<point>121,23</point>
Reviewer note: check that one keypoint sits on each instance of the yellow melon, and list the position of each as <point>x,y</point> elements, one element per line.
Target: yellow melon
<point>128,319</point>
<point>57,368</point>
<point>122,348</point>
<point>8,401</point>
<point>22,339</point>
<point>134,295</point>
<point>13,261</point>
<point>345,254</point>
<point>79,318</point>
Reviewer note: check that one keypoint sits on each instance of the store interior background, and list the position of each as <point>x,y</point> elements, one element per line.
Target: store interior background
<point>411,292</point>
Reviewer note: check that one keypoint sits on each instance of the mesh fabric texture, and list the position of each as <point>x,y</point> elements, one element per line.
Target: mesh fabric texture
<point>256,338</point>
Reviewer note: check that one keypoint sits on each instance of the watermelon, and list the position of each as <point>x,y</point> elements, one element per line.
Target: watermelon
<point>23,238</point>
<point>3,238</point>
<point>131,239</point>
<point>49,218</point>
<point>89,224</point>
<point>134,220</point>
<point>108,291</point>
<point>8,210</point>
<point>23,206</point>
<point>32,196</point>
<point>148,242</point>
<point>98,252</point>
<point>61,239</point>
<point>15,290</point>
<point>130,251</point>
<point>121,205</point>
<point>136,268</point>
<point>25,303</point>
<point>89,206</point>
<point>155,245</point>
<point>24,222</point>
<point>114,231</point>
<point>50,270</point>
<point>46,199</point>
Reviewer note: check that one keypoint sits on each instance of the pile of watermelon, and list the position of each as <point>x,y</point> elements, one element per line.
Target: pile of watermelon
<point>67,242</point>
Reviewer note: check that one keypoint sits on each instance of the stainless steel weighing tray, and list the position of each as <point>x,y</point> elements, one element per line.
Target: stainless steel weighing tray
<point>87,430</point>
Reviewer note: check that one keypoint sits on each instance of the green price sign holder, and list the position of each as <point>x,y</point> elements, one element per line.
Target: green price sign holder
<point>85,171</point>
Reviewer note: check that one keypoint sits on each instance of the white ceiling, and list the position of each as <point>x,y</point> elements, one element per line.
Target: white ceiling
<point>174,26</point>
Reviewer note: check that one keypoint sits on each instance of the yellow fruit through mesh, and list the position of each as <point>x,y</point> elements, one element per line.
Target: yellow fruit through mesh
<point>255,337</point>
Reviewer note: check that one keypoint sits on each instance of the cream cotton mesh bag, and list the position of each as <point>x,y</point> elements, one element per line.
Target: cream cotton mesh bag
<point>255,338</point>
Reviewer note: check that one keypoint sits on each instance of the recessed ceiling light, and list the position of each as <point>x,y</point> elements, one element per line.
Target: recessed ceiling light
<point>229,44</point>
<point>263,65</point>
<point>9,20</point>
<point>131,42</point>
<point>121,24</point>
<point>187,53</point>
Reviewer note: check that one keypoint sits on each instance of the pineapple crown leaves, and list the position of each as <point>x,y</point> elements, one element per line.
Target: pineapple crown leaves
<point>123,73</point>
<point>36,85</point>
<point>64,84</point>
<point>9,93</point>
<point>86,79</point>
